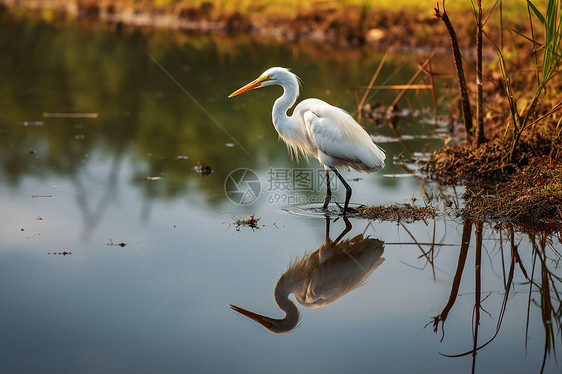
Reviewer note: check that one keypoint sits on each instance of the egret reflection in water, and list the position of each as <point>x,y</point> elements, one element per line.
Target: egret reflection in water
<point>322,277</point>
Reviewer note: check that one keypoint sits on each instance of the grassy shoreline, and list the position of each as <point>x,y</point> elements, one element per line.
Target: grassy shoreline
<point>389,23</point>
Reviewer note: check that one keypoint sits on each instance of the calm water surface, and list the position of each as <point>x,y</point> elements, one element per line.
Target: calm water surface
<point>116,256</point>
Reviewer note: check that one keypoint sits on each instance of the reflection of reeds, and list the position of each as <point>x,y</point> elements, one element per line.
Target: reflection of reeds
<point>466,234</point>
<point>550,300</point>
<point>430,253</point>
<point>477,290</point>
<point>546,283</point>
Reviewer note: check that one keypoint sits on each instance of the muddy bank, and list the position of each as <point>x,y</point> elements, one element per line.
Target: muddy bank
<point>525,190</point>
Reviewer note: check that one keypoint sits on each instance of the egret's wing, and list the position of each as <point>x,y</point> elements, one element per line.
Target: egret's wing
<point>348,269</point>
<point>337,135</point>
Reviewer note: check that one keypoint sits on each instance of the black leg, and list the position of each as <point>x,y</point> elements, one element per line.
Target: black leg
<point>327,229</point>
<point>328,190</point>
<point>347,229</point>
<point>347,189</point>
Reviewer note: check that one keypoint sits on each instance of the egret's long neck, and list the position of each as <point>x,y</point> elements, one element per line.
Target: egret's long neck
<point>283,289</point>
<point>282,122</point>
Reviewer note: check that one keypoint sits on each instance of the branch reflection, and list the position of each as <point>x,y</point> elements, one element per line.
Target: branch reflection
<point>322,277</point>
<point>542,279</point>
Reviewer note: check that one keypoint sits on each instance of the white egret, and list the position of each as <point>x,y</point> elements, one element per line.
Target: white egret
<point>322,277</point>
<point>319,129</point>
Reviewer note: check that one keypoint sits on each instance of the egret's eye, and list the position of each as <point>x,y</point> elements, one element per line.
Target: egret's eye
<point>342,142</point>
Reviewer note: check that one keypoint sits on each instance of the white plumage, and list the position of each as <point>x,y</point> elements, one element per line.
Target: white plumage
<point>319,129</point>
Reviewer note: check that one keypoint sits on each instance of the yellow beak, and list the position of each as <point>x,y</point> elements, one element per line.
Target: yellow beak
<point>250,86</point>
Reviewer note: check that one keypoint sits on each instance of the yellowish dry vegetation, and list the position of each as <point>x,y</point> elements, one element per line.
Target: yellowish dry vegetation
<point>292,8</point>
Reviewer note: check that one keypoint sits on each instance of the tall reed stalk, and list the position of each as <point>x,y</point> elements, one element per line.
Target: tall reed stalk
<point>552,53</point>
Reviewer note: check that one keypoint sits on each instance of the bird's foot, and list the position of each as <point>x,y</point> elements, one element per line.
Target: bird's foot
<point>348,210</point>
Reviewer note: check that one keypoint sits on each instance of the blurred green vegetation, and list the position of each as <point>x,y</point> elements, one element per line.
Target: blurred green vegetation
<point>56,66</point>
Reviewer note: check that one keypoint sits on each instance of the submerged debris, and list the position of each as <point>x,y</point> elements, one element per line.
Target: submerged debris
<point>70,115</point>
<point>33,123</point>
<point>147,178</point>
<point>249,221</point>
<point>111,244</point>
<point>398,212</point>
<point>203,169</point>
<point>376,112</point>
